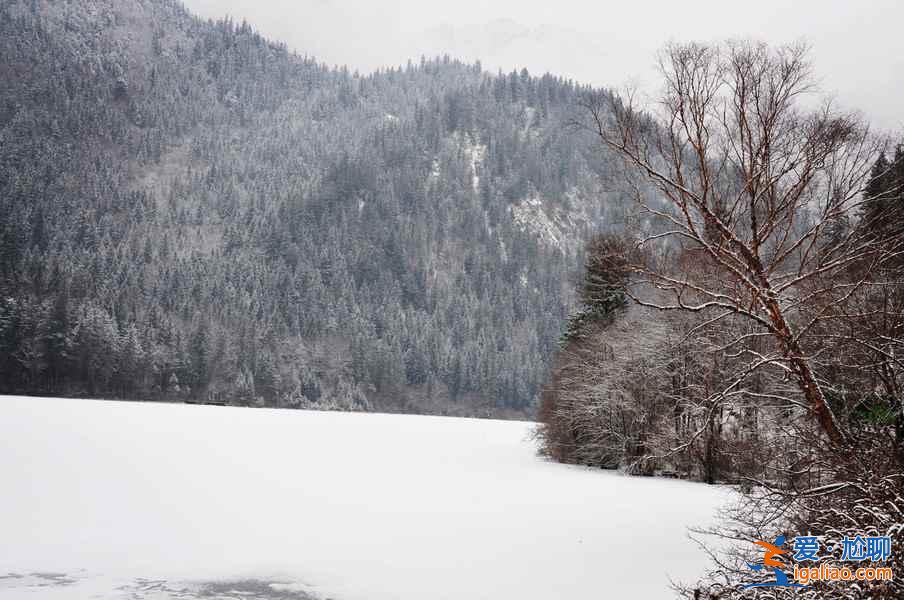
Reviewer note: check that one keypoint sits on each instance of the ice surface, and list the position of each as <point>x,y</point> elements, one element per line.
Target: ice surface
<point>133,500</point>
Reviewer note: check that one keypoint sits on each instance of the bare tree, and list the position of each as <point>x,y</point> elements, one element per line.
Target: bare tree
<point>764,191</point>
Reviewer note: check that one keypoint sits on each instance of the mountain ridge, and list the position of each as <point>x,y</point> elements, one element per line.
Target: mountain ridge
<point>206,215</point>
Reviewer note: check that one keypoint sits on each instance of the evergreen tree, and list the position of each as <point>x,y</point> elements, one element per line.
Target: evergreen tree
<point>602,289</point>
<point>883,206</point>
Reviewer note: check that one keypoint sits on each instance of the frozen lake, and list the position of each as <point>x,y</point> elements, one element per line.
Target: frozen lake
<point>138,500</point>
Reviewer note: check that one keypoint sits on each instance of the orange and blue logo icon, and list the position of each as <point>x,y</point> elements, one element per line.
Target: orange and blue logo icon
<point>769,561</point>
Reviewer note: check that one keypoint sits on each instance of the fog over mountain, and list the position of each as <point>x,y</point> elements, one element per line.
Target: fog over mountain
<point>856,46</point>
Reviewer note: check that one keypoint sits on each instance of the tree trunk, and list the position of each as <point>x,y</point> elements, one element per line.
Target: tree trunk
<point>803,373</point>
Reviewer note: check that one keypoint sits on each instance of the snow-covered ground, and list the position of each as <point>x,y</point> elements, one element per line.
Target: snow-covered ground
<point>132,500</point>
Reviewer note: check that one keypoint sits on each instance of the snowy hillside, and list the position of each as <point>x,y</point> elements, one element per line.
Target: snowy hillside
<point>130,500</point>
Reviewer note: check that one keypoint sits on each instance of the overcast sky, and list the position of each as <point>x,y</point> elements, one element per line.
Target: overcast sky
<point>858,47</point>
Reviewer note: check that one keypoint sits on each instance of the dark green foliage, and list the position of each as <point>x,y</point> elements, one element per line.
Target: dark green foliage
<point>880,412</point>
<point>883,207</point>
<point>602,290</point>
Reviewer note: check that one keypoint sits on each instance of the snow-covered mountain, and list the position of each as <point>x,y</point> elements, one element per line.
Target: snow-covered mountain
<point>197,212</point>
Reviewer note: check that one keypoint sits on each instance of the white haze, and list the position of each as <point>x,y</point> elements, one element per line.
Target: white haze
<point>857,47</point>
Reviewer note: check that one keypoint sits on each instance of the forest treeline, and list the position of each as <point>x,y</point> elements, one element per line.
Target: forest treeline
<point>755,336</point>
<point>641,389</point>
<point>191,211</point>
